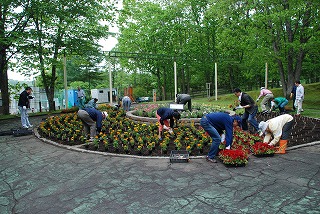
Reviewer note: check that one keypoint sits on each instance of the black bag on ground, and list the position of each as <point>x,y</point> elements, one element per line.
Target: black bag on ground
<point>21,132</point>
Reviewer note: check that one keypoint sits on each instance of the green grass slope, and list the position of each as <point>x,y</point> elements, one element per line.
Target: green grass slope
<point>311,104</point>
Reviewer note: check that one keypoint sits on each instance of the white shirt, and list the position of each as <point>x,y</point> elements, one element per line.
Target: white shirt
<point>275,126</point>
<point>300,92</point>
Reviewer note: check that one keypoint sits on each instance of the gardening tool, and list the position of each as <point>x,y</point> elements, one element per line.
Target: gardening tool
<point>282,147</point>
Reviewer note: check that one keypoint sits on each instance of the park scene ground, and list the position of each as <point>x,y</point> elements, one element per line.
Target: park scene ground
<point>67,55</point>
<point>41,177</point>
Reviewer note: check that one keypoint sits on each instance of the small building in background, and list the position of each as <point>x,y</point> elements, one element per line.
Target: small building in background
<point>103,95</point>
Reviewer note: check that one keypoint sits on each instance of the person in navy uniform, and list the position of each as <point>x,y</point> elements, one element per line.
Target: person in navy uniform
<point>166,118</point>
<point>215,124</point>
<point>92,120</point>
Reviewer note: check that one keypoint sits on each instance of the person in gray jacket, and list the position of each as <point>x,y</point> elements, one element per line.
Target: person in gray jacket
<point>183,99</point>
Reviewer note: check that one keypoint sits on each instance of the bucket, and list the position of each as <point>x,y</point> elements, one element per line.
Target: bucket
<point>282,147</point>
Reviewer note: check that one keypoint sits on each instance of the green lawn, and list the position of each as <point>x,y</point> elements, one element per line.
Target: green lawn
<point>311,104</point>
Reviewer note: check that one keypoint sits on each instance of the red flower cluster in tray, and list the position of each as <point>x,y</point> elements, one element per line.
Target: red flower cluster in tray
<point>260,148</point>
<point>233,157</point>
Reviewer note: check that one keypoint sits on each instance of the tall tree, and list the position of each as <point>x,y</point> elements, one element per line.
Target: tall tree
<point>14,17</point>
<point>76,27</point>
<point>291,29</point>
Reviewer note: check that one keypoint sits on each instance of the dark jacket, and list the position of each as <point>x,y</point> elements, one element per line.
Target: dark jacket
<point>183,98</point>
<point>222,121</point>
<point>24,99</point>
<point>294,91</point>
<point>247,100</point>
<point>166,114</point>
<point>95,115</point>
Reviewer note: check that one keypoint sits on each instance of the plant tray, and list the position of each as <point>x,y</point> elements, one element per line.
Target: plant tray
<point>179,156</point>
<point>263,155</point>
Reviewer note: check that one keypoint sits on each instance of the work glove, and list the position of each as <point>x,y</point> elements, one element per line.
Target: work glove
<point>165,127</point>
<point>170,131</point>
<point>238,107</point>
<point>24,107</point>
<point>223,137</point>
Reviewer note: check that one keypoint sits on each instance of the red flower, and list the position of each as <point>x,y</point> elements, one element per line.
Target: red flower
<point>260,148</point>
<point>236,156</point>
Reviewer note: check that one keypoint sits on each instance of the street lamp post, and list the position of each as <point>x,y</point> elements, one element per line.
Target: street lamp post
<point>65,76</point>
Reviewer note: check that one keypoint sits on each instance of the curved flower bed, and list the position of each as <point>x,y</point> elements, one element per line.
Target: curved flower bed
<point>123,136</point>
<point>149,110</point>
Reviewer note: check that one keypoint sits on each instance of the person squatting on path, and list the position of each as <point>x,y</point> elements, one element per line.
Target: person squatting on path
<point>92,103</point>
<point>23,105</point>
<point>279,128</point>
<point>266,102</point>
<point>163,116</point>
<point>81,98</point>
<point>126,103</point>
<point>279,102</point>
<point>299,97</point>
<point>214,124</point>
<point>183,99</point>
<point>250,108</point>
<point>92,120</point>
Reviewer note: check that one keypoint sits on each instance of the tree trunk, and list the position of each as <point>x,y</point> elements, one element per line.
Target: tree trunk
<point>4,81</point>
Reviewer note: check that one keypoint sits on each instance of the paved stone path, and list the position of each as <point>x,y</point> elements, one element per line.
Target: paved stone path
<point>36,177</point>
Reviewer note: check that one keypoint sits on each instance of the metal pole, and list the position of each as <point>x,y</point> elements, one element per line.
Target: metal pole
<point>216,80</point>
<point>266,77</point>
<point>110,83</point>
<point>65,77</point>
<point>175,80</point>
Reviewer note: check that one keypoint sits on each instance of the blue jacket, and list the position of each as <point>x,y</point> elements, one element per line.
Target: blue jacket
<point>95,115</point>
<point>166,114</point>
<point>222,121</point>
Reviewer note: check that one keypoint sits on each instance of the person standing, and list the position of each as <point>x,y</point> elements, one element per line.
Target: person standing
<point>214,124</point>
<point>81,98</point>
<point>92,120</point>
<point>279,128</point>
<point>293,96</point>
<point>183,99</point>
<point>250,109</point>
<point>279,102</point>
<point>299,97</point>
<point>92,103</point>
<point>166,118</point>
<point>126,103</point>
<point>266,102</point>
<point>23,105</point>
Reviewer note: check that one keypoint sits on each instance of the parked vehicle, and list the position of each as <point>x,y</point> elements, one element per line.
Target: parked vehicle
<point>143,99</point>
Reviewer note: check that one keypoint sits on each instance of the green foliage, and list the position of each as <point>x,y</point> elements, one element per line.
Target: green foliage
<point>15,89</point>
<point>240,37</point>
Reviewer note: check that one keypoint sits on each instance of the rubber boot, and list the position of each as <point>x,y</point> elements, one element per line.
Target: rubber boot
<point>282,147</point>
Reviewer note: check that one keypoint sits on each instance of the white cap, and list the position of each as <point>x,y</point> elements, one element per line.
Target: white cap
<point>262,127</point>
<point>261,88</point>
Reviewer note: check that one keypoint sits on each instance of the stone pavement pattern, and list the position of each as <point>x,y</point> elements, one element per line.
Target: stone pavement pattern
<point>41,178</point>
